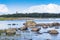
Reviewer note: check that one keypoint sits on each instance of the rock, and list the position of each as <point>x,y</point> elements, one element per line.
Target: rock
<point>37,25</point>
<point>38,33</point>
<point>10,31</point>
<point>45,26</point>
<point>13,24</point>
<point>35,29</point>
<point>30,24</point>
<point>9,24</point>
<point>23,28</point>
<point>2,31</point>
<point>56,24</point>
<point>30,39</point>
<point>53,31</point>
<point>47,39</point>
<point>23,23</point>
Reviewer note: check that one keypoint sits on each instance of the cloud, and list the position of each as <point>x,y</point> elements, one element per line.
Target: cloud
<point>3,8</point>
<point>49,8</point>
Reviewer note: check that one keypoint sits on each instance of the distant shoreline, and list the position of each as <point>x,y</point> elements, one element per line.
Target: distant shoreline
<point>23,18</point>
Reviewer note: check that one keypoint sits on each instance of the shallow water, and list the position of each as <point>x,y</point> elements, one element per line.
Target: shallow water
<point>28,34</point>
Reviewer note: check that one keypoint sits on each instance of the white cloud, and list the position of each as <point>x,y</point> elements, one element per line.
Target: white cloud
<point>50,8</point>
<point>3,8</point>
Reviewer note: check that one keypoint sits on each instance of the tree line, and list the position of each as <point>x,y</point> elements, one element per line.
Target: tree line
<point>33,15</point>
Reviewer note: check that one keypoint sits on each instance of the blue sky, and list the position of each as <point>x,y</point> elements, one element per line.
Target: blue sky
<point>17,5</point>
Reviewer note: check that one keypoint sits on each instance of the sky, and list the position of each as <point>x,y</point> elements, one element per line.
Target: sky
<point>29,6</point>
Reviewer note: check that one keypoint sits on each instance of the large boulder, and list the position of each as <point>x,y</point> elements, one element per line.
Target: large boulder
<point>30,24</point>
<point>53,31</point>
<point>10,31</point>
<point>35,29</point>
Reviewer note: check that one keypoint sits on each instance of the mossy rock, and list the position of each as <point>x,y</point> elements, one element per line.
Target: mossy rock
<point>30,24</point>
<point>10,34</point>
<point>2,31</point>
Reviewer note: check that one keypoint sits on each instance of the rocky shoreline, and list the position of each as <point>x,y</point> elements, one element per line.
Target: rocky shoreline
<point>31,26</point>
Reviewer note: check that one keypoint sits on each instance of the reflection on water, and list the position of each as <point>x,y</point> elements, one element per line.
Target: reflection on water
<point>28,35</point>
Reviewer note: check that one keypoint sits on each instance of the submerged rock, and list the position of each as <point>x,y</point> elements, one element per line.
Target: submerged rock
<point>30,24</point>
<point>56,27</point>
<point>47,39</point>
<point>35,29</point>
<point>9,24</point>
<point>13,24</point>
<point>53,31</point>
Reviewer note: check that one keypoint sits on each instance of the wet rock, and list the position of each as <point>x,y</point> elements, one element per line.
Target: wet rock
<point>23,23</point>
<point>9,24</point>
<point>56,27</point>
<point>56,24</point>
<point>38,33</point>
<point>53,31</point>
<point>13,24</point>
<point>38,25</point>
<point>35,29</point>
<point>30,39</point>
<point>30,24</point>
<point>47,39</point>
<point>45,26</point>
<point>23,28</point>
<point>2,31</point>
<point>10,31</point>
<point>6,39</point>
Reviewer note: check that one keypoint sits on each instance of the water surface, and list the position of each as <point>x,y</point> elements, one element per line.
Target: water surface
<point>28,34</point>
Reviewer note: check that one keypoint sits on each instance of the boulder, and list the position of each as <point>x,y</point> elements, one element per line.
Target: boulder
<point>10,31</point>
<point>30,24</point>
<point>35,29</point>
<point>53,31</point>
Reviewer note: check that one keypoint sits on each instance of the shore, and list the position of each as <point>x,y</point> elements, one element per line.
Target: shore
<point>24,18</point>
